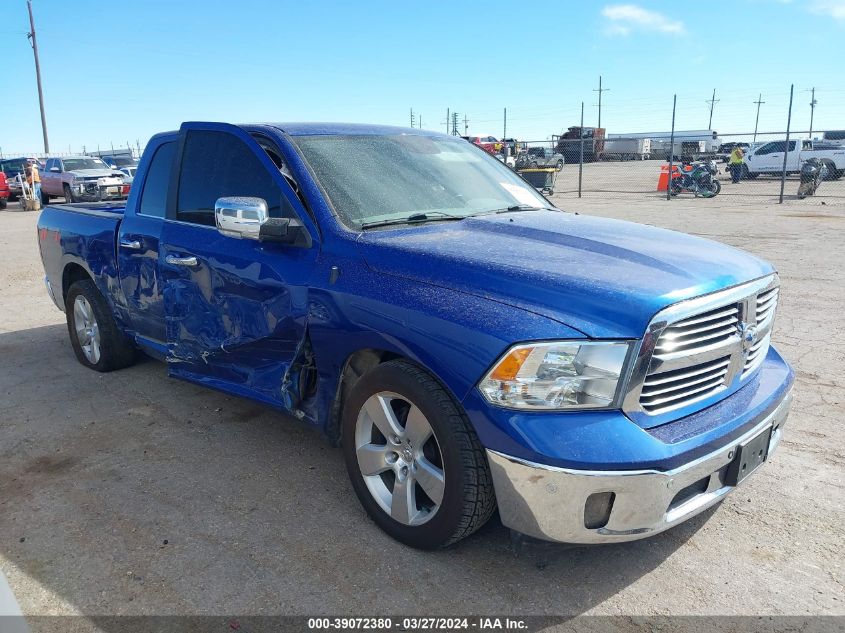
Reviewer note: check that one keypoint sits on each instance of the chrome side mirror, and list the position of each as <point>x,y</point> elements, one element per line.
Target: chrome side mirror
<point>240,217</point>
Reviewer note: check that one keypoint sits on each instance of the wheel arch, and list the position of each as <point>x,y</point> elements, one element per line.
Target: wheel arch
<point>358,363</point>
<point>72,273</point>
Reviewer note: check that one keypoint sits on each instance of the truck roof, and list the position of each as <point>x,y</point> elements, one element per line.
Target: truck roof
<point>309,129</point>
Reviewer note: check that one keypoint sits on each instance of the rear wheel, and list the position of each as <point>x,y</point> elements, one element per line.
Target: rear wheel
<point>45,199</point>
<point>413,458</point>
<point>97,341</point>
<point>2,203</point>
<point>747,173</point>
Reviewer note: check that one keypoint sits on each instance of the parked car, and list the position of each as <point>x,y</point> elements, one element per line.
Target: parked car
<point>120,162</point>
<point>535,157</point>
<point>768,158</point>
<point>4,191</point>
<point>81,178</point>
<point>12,167</point>
<point>469,346</point>
<point>489,144</point>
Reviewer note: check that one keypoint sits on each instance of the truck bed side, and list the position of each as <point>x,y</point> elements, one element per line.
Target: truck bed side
<point>79,239</point>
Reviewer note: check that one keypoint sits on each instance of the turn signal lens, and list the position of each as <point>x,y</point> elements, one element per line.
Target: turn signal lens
<point>509,366</point>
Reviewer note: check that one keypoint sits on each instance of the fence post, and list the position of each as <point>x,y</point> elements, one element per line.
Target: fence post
<point>671,149</point>
<point>786,147</point>
<point>581,154</point>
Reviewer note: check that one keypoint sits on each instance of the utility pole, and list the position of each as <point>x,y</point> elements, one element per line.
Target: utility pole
<point>412,117</point>
<point>448,119</point>
<point>420,121</point>
<point>34,43</point>
<point>454,124</point>
<point>466,124</point>
<point>600,90</point>
<point>505,126</point>
<point>757,120</point>
<point>813,103</point>
<point>712,101</point>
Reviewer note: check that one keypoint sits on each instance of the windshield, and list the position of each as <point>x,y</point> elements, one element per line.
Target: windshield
<point>373,178</point>
<point>77,164</point>
<point>13,167</point>
<point>122,161</point>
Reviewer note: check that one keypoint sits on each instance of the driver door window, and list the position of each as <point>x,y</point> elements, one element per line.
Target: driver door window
<point>217,165</point>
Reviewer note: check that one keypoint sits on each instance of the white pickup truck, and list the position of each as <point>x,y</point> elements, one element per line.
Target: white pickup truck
<point>768,157</point>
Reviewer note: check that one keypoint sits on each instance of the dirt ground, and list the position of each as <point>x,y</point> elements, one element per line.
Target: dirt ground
<point>131,493</point>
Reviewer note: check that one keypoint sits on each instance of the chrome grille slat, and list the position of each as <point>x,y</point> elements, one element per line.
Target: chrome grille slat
<point>710,327</point>
<point>686,384</point>
<point>662,378</point>
<point>671,389</point>
<point>678,346</point>
<point>704,353</point>
<point>682,398</point>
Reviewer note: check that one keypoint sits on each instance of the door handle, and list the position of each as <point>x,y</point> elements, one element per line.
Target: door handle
<point>181,261</point>
<point>135,245</point>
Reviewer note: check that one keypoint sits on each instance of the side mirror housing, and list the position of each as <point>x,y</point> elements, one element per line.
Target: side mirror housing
<point>285,231</point>
<point>240,217</point>
<point>248,218</point>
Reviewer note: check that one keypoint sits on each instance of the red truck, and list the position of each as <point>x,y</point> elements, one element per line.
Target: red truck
<point>489,144</point>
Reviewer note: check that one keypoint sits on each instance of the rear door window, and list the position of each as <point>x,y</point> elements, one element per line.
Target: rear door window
<point>154,194</point>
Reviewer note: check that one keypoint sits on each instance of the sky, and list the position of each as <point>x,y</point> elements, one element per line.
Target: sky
<point>118,72</point>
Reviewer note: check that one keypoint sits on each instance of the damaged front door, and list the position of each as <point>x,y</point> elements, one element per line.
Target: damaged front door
<point>235,308</point>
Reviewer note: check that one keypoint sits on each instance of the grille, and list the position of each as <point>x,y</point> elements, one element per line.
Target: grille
<point>679,387</point>
<point>702,354</point>
<point>701,330</point>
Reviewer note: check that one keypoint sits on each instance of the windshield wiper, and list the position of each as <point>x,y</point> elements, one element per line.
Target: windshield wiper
<point>414,218</point>
<point>523,207</point>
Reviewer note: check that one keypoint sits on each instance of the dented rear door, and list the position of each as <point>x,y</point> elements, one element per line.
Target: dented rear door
<point>235,308</point>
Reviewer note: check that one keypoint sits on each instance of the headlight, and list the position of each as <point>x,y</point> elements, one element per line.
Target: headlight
<point>558,375</point>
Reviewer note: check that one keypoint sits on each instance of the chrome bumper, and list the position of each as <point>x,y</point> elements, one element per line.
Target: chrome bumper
<point>550,503</point>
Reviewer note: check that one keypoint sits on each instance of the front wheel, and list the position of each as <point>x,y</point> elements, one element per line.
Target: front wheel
<point>559,165</point>
<point>712,188</point>
<point>413,458</point>
<point>68,194</point>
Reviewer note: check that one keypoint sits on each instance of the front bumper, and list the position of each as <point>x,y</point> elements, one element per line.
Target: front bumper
<point>93,191</point>
<point>555,504</point>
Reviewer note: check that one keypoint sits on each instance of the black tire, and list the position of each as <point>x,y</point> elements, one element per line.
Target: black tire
<point>533,164</point>
<point>468,498</point>
<point>715,188</point>
<point>746,173</point>
<point>116,349</point>
<point>2,203</point>
<point>68,194</point>
<point>45,199</point>
<point>559,165</point>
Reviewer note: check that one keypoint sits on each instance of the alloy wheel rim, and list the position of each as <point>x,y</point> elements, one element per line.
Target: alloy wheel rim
<point>399,458</point>
<point>87,329</point>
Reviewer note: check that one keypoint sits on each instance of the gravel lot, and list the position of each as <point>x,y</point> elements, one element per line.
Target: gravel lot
<point>130,493</point>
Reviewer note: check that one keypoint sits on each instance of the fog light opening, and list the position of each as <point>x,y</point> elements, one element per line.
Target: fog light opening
<point>597,509</point>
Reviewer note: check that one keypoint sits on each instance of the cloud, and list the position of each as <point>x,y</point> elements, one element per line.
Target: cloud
<point>625,18</point>
<point>832,8</point>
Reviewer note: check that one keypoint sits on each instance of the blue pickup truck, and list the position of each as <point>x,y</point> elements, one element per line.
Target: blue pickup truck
<point>470,346</point>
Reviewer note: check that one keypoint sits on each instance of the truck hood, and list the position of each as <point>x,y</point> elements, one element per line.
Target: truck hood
<point>95,173</point>
<point>606,278</point>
